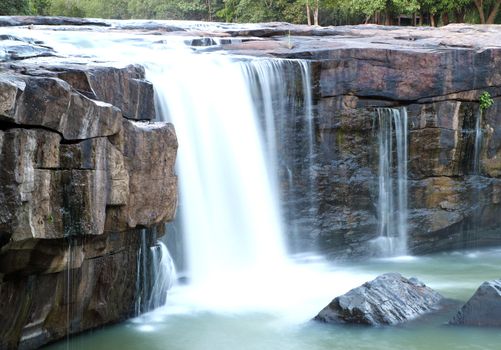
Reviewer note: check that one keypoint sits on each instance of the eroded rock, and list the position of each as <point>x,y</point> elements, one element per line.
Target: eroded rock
<point>390,299</point>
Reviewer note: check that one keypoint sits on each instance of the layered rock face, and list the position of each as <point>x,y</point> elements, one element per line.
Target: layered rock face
<point>437,75</point>
<point>86,183</point>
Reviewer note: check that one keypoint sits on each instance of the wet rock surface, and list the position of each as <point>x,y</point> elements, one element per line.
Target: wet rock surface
<point>86,182</point>
<point>390,299</point>
<point>483,309</point>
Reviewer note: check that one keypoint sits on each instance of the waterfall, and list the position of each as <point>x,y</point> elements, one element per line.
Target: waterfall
<point>232,228</point>
<point>282,94</point>
<point>163,275</point>
<point>155,274</point>
<point>478,143</point>
<point>392,200</point>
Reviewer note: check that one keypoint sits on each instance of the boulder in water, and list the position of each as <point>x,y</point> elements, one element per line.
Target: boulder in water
<point>483,308</point>
<point>389,299</point>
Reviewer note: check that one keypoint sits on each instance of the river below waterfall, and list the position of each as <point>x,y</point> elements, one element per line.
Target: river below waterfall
<point>282,322</point>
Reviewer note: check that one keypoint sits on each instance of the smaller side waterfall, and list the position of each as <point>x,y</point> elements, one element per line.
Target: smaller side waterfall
<point>392,200</point>
<point>156,274</point>
<point>478,144</point>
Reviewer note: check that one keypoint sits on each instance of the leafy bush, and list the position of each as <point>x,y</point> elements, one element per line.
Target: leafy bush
<point>485,100</point>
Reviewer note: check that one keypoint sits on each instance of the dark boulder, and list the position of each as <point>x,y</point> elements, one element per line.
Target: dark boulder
<point>389,299</point>
<point>483,308</point>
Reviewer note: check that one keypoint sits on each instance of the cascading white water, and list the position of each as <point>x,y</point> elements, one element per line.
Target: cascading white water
<point>163,275</point>
<point>274,91</point>
<point>155,275</point>
<point>232,227</point>
<point>282,93</point>
<point>392,201</point>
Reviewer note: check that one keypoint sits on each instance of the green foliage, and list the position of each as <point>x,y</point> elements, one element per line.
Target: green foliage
<point>485,100</point>
<point>69,8</point>
<point>40,7</point>
<point>14,7</point>
<point>330,12</point>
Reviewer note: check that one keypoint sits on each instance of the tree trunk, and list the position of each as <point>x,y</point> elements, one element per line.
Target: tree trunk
<point>209,9</point>
<point>459,14</point>
<point>445,18</point>
<point>432,20</point>
<point>480,7</point>
<point>315,13</point>
<point>308,12</point>
<point>494,12</point>
<point>387,20</point>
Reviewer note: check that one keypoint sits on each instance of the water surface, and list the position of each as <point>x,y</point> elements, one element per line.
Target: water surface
<point>227,321</point>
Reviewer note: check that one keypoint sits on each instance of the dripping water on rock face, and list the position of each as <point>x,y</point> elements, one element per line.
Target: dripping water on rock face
<point>392,181</point>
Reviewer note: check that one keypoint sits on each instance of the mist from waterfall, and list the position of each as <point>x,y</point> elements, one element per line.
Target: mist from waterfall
<point>392,198</point>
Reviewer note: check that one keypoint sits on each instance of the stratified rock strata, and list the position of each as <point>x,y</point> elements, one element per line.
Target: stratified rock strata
<point>84,173</point>
<point>390,299</point>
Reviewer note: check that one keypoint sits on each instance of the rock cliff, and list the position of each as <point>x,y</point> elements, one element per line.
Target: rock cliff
<point>437,75</point>
<point>84,174</point>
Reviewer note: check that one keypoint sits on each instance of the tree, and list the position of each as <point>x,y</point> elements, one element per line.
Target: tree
<point>314,11</point>
<point>40,7</point>
<point>69,8</point>
<point>14,7</point>
<point>387,7</point>
<point>270,10</point>
<point>489,7</point>
<point>442,8</point>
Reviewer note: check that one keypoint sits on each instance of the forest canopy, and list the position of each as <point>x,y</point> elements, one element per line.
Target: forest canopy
<point>315,12</point>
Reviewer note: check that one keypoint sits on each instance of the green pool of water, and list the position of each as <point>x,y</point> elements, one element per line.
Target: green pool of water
<point>187,323</point>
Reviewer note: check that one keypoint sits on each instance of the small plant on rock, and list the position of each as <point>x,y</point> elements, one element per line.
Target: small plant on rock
<point>485,100</point>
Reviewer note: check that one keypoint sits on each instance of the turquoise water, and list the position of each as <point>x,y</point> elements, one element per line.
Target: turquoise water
<point>186,323</point>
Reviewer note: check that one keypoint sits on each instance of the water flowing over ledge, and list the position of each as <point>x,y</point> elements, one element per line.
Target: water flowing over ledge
<point>301,131</point>
<point>392,199</point>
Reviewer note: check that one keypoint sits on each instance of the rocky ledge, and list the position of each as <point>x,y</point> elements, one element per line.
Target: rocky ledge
<point>86,183</point>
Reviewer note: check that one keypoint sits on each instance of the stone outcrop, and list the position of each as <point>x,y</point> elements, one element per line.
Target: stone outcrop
<point>483,308</point>
<point>86,183</point>
<point>390,299</point>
